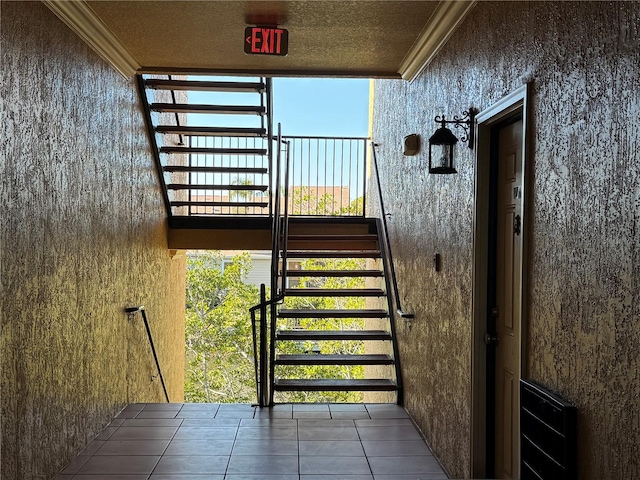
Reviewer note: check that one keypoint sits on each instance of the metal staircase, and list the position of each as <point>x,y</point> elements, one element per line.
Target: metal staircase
<point>319,326</point>
<point>328,324</point>
<point>211,170</point>
<point>331,325</point>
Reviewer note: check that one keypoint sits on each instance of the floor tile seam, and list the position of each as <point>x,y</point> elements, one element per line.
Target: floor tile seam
<point>216,412</point>
<point>169,442</point>
<point>152,426</point>
<point>164,451</point>
<point>110,439</point>
<point>151,418</point>
<point>235,439</point>
<point>363,450</point>
<point>297,442</point>
<point>107,456</point>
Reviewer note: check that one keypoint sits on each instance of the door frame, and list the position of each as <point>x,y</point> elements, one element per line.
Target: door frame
<point>516,103</point>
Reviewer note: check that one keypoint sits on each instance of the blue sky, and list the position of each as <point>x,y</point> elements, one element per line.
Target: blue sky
<point>322,107</point>
<point>304,106</point>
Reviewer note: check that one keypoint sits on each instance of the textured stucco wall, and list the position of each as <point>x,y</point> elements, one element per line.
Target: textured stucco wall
<point>83,235</point>
<point>584,218</point>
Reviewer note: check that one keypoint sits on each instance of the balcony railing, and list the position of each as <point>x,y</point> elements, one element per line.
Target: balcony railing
<point>327,175</point>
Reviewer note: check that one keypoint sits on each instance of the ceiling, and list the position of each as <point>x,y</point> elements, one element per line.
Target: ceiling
<point>366,38</point>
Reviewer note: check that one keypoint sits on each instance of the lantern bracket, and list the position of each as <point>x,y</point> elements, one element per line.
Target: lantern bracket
<point>465,122</point>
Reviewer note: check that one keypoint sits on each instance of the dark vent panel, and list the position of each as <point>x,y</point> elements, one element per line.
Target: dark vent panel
<point>548,435</point>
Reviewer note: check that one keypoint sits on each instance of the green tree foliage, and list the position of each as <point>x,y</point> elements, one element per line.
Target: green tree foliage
<point>220,365</point>
<point>324,347</point>
<point>307,201</point>
<point>356,207</point>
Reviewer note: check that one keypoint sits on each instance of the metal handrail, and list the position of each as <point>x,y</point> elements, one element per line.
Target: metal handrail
<point>261,363</point>
<point>323,137</point>
<point>385,252</point>
<point>269,95</point>
<point>266,303</point>
<point>280,239</point>
<point>132,311</point>
<point>285,219</point>
<point>263,389</point>
<point>385,232</point>
<point>256,364</point>
<point>276,224</point>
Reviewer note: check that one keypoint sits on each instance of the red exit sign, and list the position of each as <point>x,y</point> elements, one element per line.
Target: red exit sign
<point>266,41</point>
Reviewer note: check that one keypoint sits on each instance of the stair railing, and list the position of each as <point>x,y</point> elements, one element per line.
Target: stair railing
<point>390,284</point>
<point>279,258</point>
<point>131,311</point>
<point>387,243</point>
<point>267,394</point>
<point>285,218</point>
<point>269,101</point>
<point>260,345</point>
<point>258,363</point>
<point>264,372</point>
<point>276,226</point>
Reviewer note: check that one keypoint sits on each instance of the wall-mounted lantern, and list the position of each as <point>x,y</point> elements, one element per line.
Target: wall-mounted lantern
<point>442,142</point>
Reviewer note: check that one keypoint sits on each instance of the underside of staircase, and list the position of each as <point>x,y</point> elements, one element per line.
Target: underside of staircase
<point>212,157</point>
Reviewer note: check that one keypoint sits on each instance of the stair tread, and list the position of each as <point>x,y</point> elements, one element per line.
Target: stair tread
<point>372,384</point>
<point>187,203</point>
<point>338,313</point>
<point>334,273</point>
<point>316,221</point>
<point>219,151</point>
<point>299,335</point>
<point>199,85</point>
<point>187,168</point>
<point>192,186</point>
<point>212,109</point>
<point>334,359</point>
<point>334,254</point>
<point>339,237</point>
<point>335,292</point>
<point>212,131</point>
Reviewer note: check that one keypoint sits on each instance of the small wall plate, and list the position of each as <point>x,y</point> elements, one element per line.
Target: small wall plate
<point>411,144</point>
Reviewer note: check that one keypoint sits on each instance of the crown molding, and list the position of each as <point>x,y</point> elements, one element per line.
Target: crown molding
<point>447,16</point>
<point>78,16</point>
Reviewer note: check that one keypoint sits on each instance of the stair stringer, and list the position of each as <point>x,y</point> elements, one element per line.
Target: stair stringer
<point>209,170</point>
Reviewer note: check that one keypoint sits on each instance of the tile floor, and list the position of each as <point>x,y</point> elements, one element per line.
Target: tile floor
<point>175,441</point>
